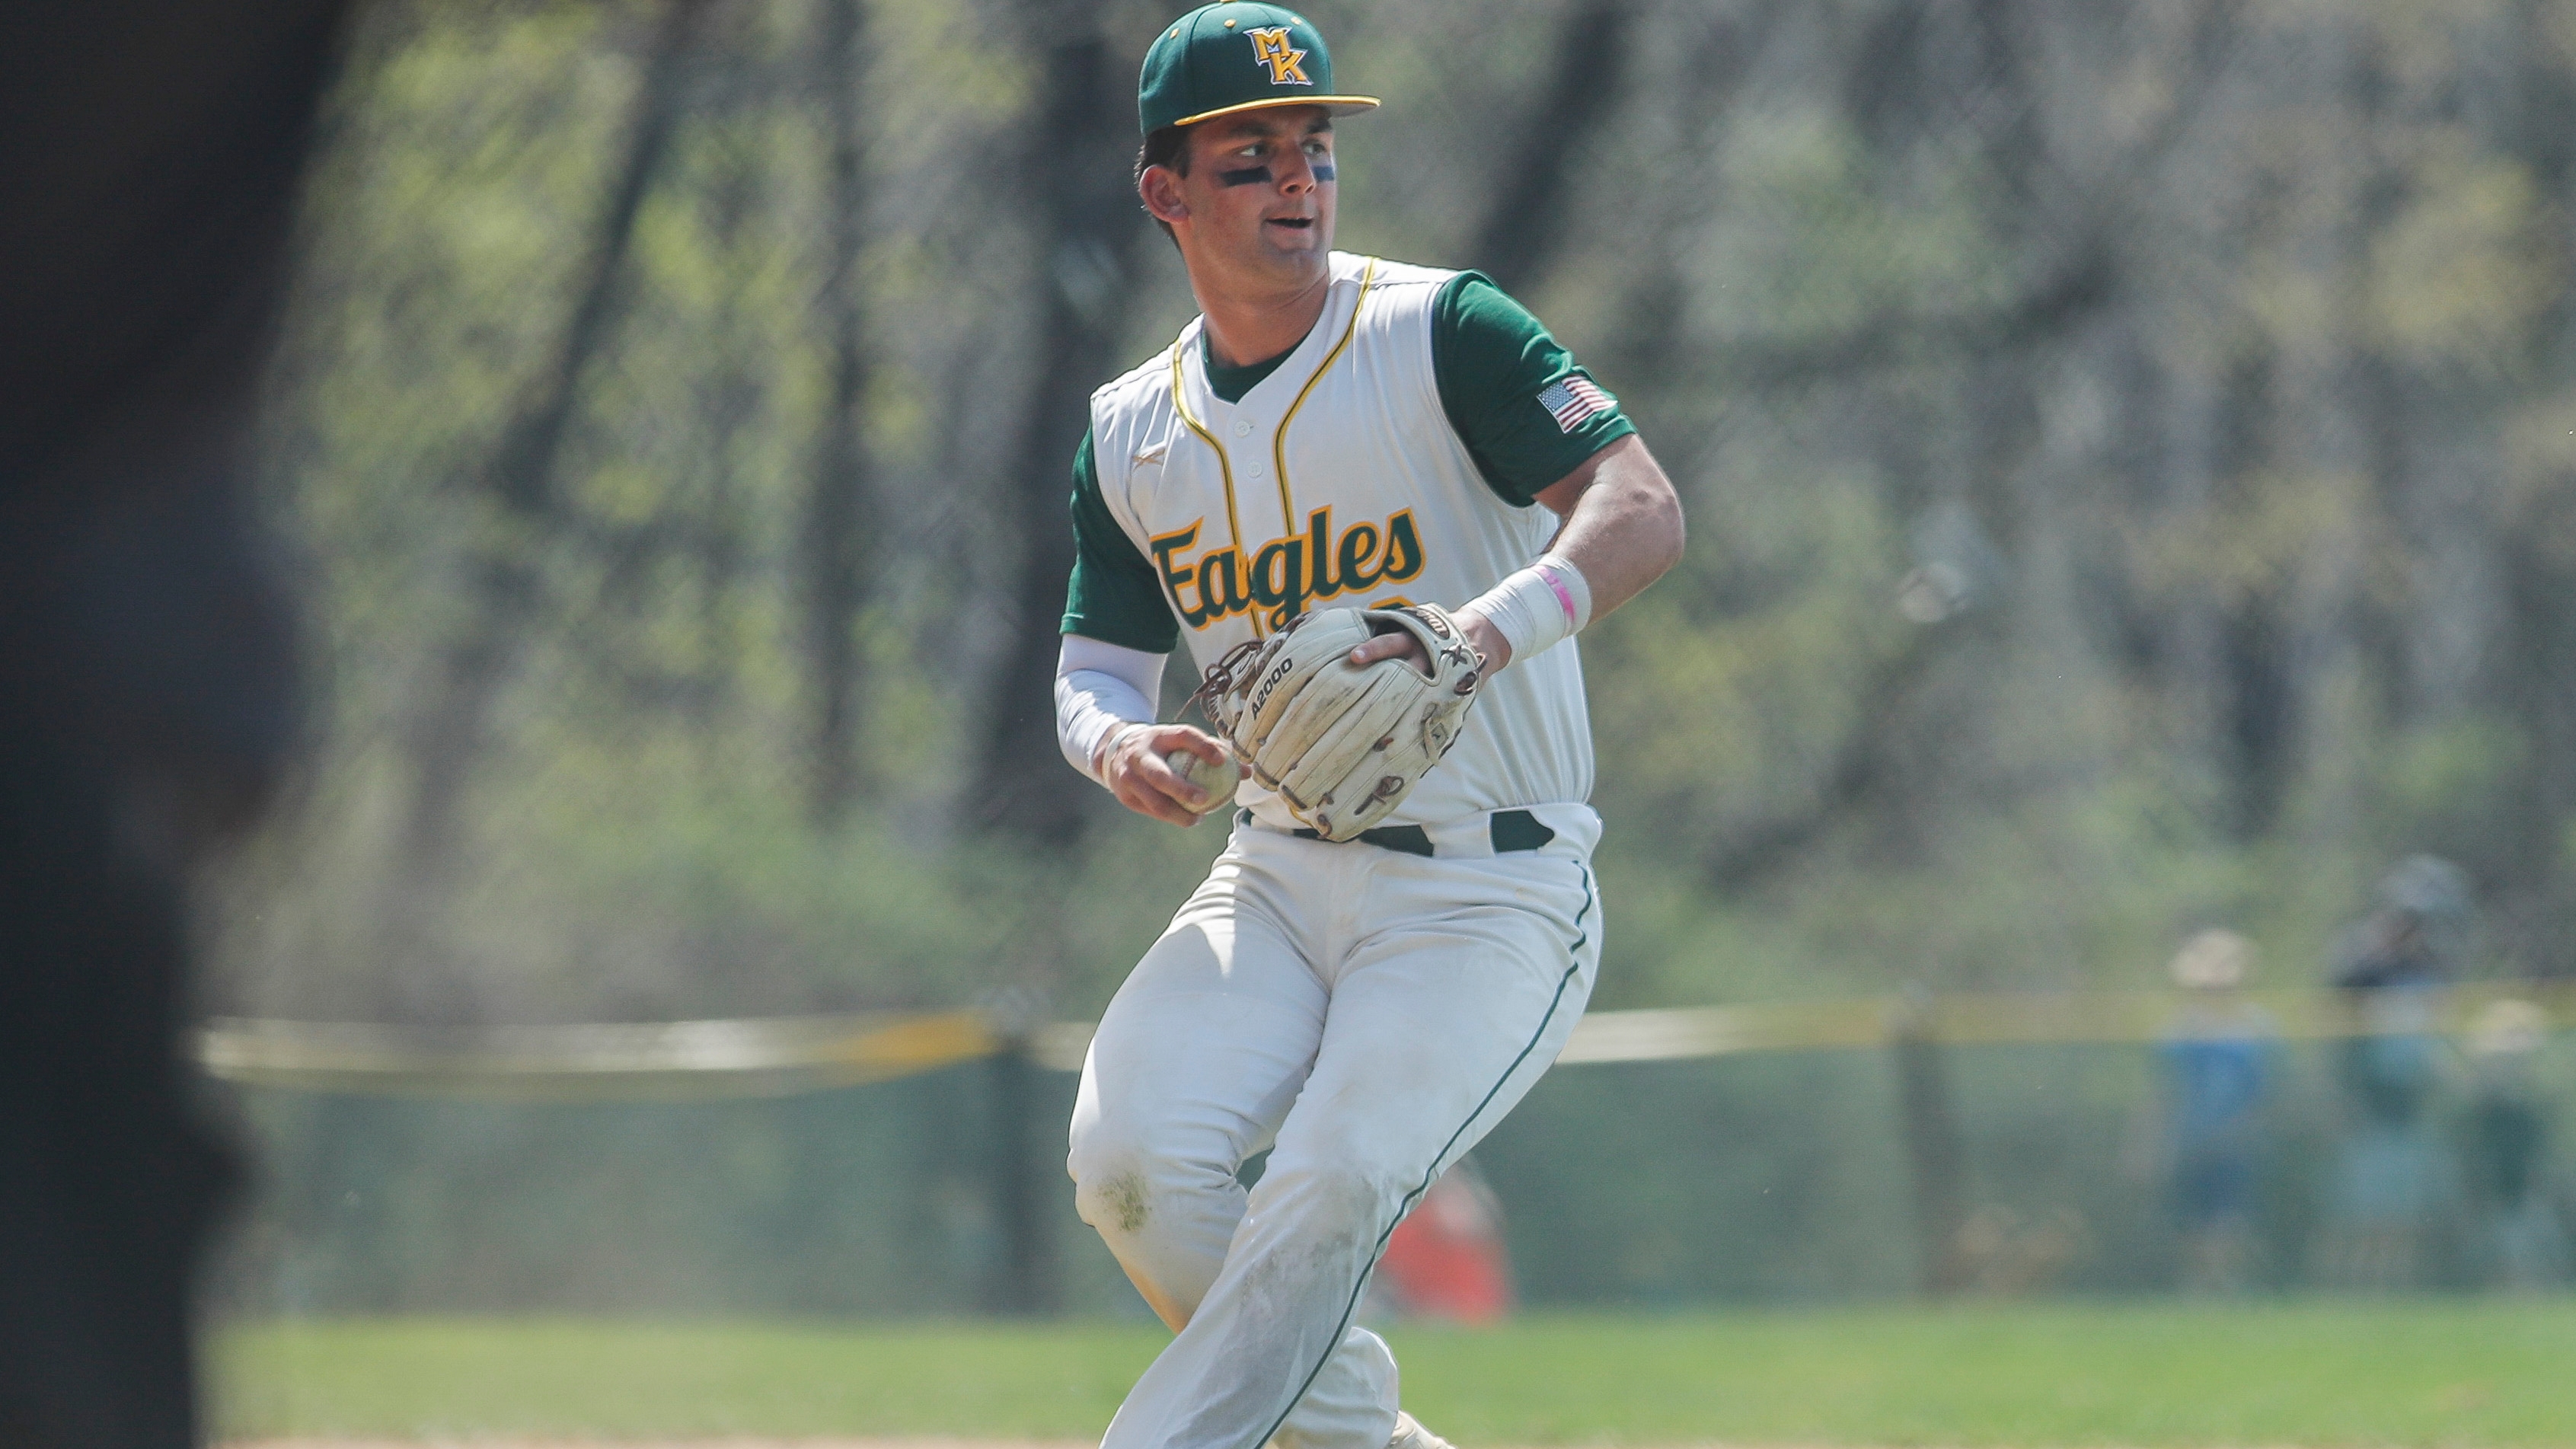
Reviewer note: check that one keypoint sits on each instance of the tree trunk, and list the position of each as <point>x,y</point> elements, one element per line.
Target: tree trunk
<point>1934,1152</point>
<point>1021,1280</point>
<point>1523,229</point>
<point>1084,210</point>
<point>447,738</point>
<point>836,511</point>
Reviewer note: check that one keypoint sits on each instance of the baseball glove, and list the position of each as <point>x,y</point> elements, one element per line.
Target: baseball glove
<point>1342,744</point>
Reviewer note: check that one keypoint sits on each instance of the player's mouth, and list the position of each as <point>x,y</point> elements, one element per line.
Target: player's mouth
<point>1293,223</point>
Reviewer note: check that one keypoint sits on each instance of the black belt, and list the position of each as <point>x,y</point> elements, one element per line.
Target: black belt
<point>1513,830</point>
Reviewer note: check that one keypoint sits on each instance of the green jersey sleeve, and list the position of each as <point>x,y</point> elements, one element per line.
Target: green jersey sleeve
<point>1114,596</point>
<point>1527,413</point>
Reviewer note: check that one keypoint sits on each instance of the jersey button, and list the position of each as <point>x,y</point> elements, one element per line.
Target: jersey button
<point>1254,471</point>
<point>1242,429</point>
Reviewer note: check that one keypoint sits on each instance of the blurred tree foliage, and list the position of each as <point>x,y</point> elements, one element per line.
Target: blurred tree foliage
<point>2131,451</point>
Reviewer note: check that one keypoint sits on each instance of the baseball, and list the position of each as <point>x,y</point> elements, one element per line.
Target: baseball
<point>1218,780</point>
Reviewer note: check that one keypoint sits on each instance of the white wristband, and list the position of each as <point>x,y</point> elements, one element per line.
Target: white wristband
<point>1537,606</point>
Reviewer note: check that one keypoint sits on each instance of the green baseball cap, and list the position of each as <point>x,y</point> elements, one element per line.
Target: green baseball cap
<point>1237,56</point>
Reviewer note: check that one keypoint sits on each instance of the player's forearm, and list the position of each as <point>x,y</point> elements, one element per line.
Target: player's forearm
<point>1099,687</point>
<point>1623,529</point>
<point>1623,523</point>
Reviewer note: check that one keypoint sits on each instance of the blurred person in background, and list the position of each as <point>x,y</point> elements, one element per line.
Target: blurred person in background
<point>2521,1241</point>
<point>1447,1261</point>
<point>2220,1058</point>
<point>150,164</point>
<point>2394,1180</point>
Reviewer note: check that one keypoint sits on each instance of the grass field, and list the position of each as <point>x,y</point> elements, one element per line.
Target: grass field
<point>2444,1372</point>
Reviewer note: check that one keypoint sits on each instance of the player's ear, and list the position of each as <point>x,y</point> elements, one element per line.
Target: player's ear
<point>1160,189</point>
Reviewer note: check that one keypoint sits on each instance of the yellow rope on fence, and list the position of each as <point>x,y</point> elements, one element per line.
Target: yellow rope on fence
<point>786,1055</point>
<point>2026,1018</point>
<point>752,1058</point>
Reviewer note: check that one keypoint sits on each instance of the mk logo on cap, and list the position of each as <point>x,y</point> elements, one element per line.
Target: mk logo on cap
<point>1271,48</point>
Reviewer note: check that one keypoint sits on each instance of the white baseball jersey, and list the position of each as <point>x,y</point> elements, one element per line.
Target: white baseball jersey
<point>1339,480</point>
<point>1394,455</point>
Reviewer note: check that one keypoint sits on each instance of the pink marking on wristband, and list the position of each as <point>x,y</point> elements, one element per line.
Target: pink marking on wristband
<point>1564,596</point>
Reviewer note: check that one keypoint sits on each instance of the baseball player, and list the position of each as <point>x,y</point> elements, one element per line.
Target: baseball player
<point>1332,431</point>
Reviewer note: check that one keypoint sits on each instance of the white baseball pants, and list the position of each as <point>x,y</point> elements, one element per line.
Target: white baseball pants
<point>1366,1014</point>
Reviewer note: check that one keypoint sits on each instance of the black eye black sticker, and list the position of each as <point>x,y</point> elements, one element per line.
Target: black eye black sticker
<point>1245,176</point>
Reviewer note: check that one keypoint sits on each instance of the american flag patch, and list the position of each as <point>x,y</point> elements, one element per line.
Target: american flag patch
<point>1570,400</point>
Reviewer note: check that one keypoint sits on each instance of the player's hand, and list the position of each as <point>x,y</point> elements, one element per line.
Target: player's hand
<point>1399,644</point>
<point>1133,768</point>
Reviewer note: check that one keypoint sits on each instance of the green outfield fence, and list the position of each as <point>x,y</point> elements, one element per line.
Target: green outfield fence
<point>1866,1117</point>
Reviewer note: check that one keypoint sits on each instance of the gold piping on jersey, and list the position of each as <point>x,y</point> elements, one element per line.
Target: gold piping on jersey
<point>1279,438</point>
<point>1233,525</point>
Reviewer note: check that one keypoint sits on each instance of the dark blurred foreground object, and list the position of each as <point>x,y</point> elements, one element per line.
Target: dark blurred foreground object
<point>148,161</point>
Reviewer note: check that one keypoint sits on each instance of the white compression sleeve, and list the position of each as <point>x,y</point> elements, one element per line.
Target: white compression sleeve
<point>1537,606</point>
<point>1098,687</point>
